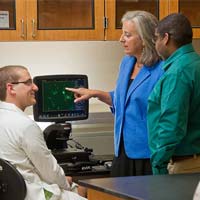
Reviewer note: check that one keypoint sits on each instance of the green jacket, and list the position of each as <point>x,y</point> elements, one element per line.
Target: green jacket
<point>174,109</point>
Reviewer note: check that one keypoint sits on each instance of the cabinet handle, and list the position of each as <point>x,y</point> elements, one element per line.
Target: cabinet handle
<point>22,26</point>
<point>33,29</point>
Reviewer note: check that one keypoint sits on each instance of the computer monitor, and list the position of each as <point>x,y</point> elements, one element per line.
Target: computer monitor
<point>54,103</point>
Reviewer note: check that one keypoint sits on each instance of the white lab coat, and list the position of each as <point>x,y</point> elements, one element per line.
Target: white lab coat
<point>22,143</point>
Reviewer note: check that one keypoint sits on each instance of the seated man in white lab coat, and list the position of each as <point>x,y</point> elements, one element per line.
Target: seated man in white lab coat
<point>22,142</point>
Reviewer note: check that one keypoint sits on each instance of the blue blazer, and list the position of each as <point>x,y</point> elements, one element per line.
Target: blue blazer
<point>129,106</point>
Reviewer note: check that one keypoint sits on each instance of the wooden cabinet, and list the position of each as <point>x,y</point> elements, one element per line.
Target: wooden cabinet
<point>116,8</point>
<point>190,8</point>
<point>12,20</point>
<point>159,8</point>
<point>65,20</point>
<point>42,20</point>
<point>94,194</point>
<point>52,20</point>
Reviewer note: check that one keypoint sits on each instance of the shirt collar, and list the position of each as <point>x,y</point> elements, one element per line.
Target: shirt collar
<point>9,106</point>
<point>178,53</point>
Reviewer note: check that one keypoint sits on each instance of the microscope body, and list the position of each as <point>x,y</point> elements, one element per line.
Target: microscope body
<point>71,159</point>
<point>56,136</point>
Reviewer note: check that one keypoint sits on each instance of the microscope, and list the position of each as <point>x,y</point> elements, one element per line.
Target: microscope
<point>71,159</point>
<point>55,104</point>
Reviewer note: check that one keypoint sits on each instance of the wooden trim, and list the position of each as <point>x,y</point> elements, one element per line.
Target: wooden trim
<point>173,6</point>
<point>111,33</point>
<point>96,195</point>
<point>196,33</point>
<point>163,8</point>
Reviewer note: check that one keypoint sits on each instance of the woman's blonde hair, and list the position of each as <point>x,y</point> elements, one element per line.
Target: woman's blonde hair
<point>146,24</point>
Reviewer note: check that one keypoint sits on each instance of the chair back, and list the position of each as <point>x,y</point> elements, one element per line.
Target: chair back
<point>12,184</point>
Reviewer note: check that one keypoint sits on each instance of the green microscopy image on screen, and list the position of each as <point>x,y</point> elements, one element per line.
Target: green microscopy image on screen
<point>55,97</point>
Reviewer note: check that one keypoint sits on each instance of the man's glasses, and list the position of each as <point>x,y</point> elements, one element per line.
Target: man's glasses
<point>28,82</point>
<point>159,37</point>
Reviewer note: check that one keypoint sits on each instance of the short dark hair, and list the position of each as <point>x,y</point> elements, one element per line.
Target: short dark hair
<point>178,27</point>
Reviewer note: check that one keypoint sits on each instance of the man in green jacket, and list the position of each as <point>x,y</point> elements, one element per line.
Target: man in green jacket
<point>174,104</point>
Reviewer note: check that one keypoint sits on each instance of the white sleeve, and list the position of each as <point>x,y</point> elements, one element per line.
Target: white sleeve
<point>44,162</point>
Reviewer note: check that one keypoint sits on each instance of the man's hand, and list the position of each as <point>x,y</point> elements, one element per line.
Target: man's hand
<point>69,180</point>
<point>82,191</point>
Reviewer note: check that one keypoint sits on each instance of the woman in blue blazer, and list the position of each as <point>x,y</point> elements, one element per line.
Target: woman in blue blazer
<point>139,71</point>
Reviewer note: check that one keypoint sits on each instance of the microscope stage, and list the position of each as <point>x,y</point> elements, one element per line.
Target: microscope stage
<point>72,155</point>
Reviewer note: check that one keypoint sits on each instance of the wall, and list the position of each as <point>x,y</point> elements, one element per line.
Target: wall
<point>97,59</point>
<point>96,132</point>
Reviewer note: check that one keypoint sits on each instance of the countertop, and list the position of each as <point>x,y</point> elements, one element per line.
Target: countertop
<point>157,187</point>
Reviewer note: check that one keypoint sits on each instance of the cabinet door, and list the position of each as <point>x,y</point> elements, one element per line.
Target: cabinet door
<point>116,8</point>
<point>65,19</point>
<point>12,20</point>
<point>190,8</point>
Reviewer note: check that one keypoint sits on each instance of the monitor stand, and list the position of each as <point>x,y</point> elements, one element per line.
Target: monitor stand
<point>56,135</point>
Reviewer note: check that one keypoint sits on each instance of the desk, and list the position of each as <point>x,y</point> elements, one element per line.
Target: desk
<point>158,187</point>
<point>98,171</point>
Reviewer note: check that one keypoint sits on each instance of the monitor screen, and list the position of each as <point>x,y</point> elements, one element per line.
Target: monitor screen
<point>54,103</point>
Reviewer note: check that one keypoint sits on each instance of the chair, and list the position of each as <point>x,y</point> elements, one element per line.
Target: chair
<point>12,184</point>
